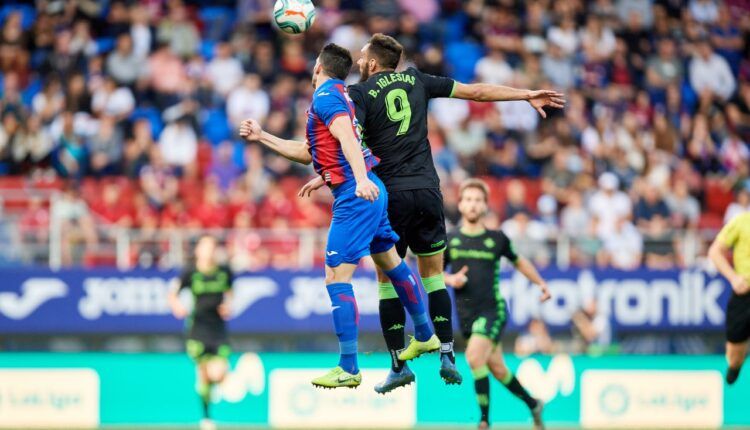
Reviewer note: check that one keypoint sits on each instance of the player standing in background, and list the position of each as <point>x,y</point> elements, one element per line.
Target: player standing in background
<point>360,225</point>
<point>735,237</point>
<point>207,342</point>
<point>482,310</point>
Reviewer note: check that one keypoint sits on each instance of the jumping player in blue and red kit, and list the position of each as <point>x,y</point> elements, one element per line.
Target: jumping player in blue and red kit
<point>360,225</point>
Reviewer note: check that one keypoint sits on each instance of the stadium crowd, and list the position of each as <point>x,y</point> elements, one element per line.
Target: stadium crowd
<point>135,105</point>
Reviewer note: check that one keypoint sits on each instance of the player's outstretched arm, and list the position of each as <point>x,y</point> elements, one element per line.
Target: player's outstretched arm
<point>341,129</point>
<point>718,255</point>
<point>498,93</point>
<point>529,271</point>
<point>293,150</point>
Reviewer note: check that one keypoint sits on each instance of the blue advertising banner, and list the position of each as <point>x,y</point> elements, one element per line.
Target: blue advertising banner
<point>111,301</point>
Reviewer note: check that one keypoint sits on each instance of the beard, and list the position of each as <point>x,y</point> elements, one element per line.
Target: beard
<point>364,74</point>
<point>472,217</point>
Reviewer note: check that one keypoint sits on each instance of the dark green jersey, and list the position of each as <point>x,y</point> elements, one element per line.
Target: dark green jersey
<point>208,293</point>
<point>391,107</point>
<point>481,254</point>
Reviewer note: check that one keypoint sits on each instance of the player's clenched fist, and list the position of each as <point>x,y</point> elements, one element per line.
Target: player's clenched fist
<point>366,189</point>
<point>250,129</point>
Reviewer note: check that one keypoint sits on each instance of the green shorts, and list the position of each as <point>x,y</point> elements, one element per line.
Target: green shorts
<point>201,351</point>
<point>489,324</point>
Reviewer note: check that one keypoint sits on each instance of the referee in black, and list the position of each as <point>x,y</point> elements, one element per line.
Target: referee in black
<point>476,253</point>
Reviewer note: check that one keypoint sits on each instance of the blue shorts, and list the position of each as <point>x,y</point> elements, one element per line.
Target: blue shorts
<point>359,228</point>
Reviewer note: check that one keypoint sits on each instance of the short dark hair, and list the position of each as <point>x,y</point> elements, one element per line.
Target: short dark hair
<point>336,61</point>
<point>386,50</point>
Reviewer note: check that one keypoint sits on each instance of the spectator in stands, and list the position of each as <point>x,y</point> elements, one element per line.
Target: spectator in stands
<point>106,147</point>
<point>11,137</point>
<point>124,64</point>
<point>62,62</point>
<point>739,205</point>
<point>137,149</point>
<point>212,211</point>
<point>71,215</point>
<point>81,42</point>
<point>516,199</point>
<point>178,31</point>
<point>112,209</point>
<point>141,31</point>
<point>609,206</point>
<point>622,248</point>
<point>494,69</point>
<point>663,69</point>
<point>598,40</point>
<point>558,67</point>
<point>71,157</point>
<point>77,97</point>
<point>535,339</point>
<point>248,100</point>
<point>49,102</point>
<point>224,71</point>
<point>650,206</point>
<point>111,100</point>
<point>13,43</point>
<point>529,236</point>
<point>158,180</point>
<point>592,329</point>
<point>734,153</point>
<point>576,225</point>
<point>710,74</point>
<point>223,170</point>
<point>685,208</point>
<point>178,143</point>
<point>166,75</point>
<point>704,11</point>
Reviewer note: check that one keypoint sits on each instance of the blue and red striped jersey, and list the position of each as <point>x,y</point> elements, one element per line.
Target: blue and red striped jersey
<point>330,101</point>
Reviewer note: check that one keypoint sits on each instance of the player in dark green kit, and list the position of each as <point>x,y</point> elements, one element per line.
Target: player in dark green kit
<point>207,341</point>
<point>392,109</point>
<point>476,253</point>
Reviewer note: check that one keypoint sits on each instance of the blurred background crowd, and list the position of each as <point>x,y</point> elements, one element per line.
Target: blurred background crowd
<point>123,114</point>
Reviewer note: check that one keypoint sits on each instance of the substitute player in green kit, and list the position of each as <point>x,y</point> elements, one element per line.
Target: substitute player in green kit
<point>474,254</point>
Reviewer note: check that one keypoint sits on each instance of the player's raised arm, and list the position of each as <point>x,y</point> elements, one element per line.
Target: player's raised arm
<point>498,93</point>
<point>341,129</point>
<point>528,270</point>
<point>293,150</point>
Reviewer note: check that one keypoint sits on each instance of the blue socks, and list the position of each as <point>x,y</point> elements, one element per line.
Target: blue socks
<point>407,288</point>
<point>345,320</point>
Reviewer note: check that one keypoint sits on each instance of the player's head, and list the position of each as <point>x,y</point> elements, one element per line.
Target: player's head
<point>205,249</point>
<point>334,62</point>
<point>382,53</point>
<point>473,197</point>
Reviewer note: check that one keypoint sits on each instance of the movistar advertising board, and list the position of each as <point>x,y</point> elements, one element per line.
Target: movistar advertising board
<point>109,301</point>
<point>99,389</point>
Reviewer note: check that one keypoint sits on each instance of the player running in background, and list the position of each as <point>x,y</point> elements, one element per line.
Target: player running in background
<point>476,252</point>
<point>392,109</point>
<point>360,225</point>
<point>207,343</point>
<point>735,236</point>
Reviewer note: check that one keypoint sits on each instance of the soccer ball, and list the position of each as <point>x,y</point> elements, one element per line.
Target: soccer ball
<point>294,16</point>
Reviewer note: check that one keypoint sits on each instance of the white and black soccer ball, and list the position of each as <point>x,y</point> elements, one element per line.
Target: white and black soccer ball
<point>294,16</point>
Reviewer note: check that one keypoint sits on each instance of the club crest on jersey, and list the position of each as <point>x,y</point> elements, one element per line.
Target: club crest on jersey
<point>455,241</point>
<point>489,242</point>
